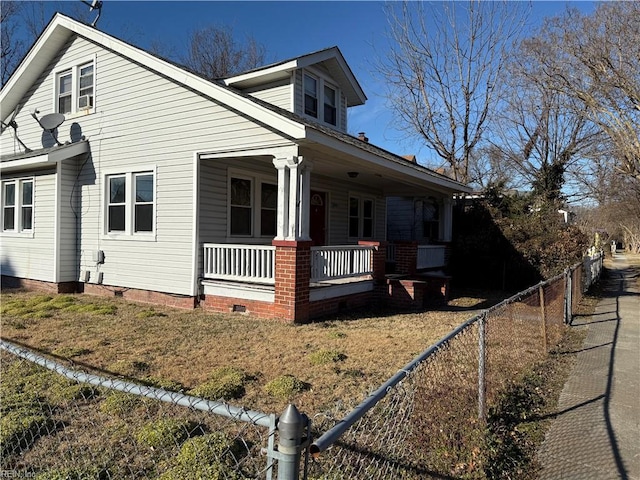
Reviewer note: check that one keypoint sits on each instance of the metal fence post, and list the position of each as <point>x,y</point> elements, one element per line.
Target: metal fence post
<point>482,345</point>
<point>568,309</point>
<point>543,313</point>
<point>290,427</point>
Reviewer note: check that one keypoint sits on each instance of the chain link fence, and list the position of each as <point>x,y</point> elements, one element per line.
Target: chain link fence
<point>428,421</point>
<point>59,422</point>
<point>62,423</point>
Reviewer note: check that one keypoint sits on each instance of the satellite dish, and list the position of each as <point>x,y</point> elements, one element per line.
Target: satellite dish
<point>51,121</point>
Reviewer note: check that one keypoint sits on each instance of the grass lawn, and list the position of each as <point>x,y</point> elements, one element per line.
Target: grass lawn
<point>343,358</point>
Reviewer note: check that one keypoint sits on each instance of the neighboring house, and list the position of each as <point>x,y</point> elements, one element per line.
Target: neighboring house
<point>245,194</point>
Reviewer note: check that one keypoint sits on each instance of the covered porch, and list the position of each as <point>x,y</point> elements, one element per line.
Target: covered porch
<point>317,280</point>
<point>313,241</point>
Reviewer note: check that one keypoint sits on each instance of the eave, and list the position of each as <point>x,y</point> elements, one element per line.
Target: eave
<point>61,29</point>
<point>43,158</point>
<point>331,58</point>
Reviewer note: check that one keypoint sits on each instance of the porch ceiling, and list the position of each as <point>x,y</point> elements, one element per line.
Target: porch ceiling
<point>391,178</point>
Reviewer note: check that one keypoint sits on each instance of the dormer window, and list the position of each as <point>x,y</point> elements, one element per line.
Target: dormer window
<point>75,89</point>
<point>320,99</point>
<point>311,96</point>
<point>330,110</point>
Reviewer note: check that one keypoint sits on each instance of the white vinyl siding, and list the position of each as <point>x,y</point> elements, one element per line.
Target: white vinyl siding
<point>277,93</point>
<point>69,208</point>
<point>32,256</point>
<point>143,118</point>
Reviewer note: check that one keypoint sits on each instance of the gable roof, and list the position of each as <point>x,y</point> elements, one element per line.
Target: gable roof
<point>330,58</point>
<point>61,28</point>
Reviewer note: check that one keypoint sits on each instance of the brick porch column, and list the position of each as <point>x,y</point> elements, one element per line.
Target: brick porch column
<point>379,259</point>
<point>406,257</point>
<point>293,272</point>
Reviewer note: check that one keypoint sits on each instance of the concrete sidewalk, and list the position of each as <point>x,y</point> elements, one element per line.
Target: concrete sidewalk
<point>596,434</point>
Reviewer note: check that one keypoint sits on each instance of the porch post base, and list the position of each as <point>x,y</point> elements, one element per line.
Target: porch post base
<point>292,274</point>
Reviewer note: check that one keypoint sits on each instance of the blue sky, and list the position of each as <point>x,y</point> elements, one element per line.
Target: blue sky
<point>288,29</point>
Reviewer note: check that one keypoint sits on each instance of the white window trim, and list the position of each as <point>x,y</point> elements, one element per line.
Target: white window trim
<point>75,87</point>
<point>128,234</point>
<point>361,199</point>
<point>257,180</point>
<point>18,231</point>
<point>321,81</point>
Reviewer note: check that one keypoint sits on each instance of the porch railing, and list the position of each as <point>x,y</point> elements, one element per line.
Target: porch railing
<point>242,263</point>
<point>430,256</point>
<point>346,261</point>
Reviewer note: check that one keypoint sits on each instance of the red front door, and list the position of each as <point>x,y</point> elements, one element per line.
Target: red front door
<point>318,218</point>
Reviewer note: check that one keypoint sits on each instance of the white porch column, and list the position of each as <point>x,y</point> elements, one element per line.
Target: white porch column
<point>282,216</point>
<point>447,219</point>
<point>305,199</point>
<point>294,198</point>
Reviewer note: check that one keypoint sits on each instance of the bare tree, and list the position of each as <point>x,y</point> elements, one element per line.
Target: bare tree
<point>214,53</point>
<point>444,70</point>
<point>13,48</point>
<point>541,131</point>
<point>596,60</point>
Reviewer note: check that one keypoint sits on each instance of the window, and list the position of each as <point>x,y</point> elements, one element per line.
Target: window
<point>143,209</point>
<point>330,110</point>
<point>241,206</point>
<point>130,203</point>
<point>268,209</point>
<point>85,87</point>
<point>117,203</point>
<point>354,217</point>
<point>75,89</point>
<point>430,219</point>
<point>27,204</point>
<point>253,206</point>
<point>318,92</point>
<point>361,223</point>
<point>64,92</point>
<point>310,96</point>
<point>17,205</point>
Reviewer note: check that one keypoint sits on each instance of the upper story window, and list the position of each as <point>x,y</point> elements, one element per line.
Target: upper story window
<point>330,105</point>
<point>319,92</point>
<point>130,203</point>
<point>17,205</point>
<point>310,96</point>
<point>75,89</point>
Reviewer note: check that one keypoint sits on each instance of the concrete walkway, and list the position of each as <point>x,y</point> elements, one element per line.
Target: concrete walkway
<point>596,434</point>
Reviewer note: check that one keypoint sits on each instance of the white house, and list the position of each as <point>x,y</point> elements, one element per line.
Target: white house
<point>244,194</point>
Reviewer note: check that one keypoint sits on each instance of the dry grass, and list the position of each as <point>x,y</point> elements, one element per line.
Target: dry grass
<point>185,347</point>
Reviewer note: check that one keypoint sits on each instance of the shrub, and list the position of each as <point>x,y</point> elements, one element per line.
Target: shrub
<point>225,383</point>
<point>321,357</point>
<point>285,386</point>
